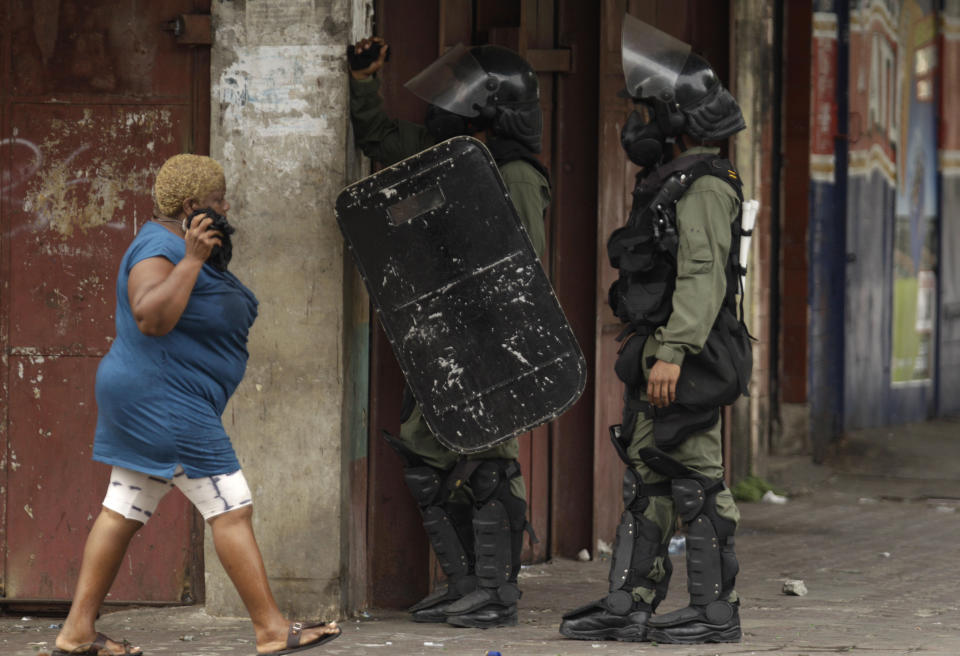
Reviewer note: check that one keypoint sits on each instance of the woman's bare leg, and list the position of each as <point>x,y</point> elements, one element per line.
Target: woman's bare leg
<point>240,556</point>
<point>102,556</point>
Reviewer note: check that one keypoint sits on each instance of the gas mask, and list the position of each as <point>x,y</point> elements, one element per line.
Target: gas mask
<point>642,140</point>
<point>443,125</point>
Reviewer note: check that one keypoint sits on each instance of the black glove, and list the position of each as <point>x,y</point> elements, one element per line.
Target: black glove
<point>359,61</point>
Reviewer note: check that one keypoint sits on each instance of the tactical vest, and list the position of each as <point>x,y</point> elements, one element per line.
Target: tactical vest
<point>645,253</point>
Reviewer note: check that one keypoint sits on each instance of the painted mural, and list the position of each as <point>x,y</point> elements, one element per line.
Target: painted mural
<point>893,212</point>
<point>873,140</point>
<point>948,317</point>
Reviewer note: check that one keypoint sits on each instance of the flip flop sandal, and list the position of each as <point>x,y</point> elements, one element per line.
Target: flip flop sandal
<point>293,639</point>
<point>94,648</point>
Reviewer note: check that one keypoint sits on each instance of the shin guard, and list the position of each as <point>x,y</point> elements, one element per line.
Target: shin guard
<point>638,544</point>
<point>711,563</point>
<point>440,523</point>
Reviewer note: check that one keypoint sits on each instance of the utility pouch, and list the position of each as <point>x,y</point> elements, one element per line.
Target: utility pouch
<point>720,373</point>
<point>676,424</point>
<point>644,299</point>
<point>629,364</point>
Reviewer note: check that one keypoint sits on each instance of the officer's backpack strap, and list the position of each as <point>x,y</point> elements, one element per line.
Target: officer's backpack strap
<point>719,167</point>
<point>660,212</point>
<point>672,187</point>
<point>722,169</point>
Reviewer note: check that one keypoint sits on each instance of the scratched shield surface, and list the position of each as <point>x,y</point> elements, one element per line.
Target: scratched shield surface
<point>94,102</point>
<point>471,316</point>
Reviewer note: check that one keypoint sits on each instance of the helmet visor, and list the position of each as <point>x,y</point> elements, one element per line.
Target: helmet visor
<point>455,82</point>
<point>652,60</point>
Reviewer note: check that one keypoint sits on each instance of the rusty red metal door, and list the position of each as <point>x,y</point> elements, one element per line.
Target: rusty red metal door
<point>94,96</point>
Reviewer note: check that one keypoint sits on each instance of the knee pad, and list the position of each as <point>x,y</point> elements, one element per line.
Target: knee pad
<point>632,485</point>
<point>689,497</point>
<point>491,480</point>
<point>424,483</point>
<point>485,480</point>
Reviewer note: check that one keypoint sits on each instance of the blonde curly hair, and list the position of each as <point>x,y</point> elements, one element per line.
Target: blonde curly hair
<point>185,177</point>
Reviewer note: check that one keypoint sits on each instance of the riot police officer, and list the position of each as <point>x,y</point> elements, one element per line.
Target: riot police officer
<point>684,352</point>
<point>476,529</point>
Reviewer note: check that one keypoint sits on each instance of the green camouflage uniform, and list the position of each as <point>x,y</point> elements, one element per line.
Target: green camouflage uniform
<point>704,215</point>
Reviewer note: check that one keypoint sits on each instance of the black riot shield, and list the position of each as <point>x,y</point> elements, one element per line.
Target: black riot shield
<point>461,295</point>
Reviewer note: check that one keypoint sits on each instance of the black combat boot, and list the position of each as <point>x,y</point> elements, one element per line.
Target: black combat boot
<point>433,607</point>
<point>615,617</point>
<point>718,621</point>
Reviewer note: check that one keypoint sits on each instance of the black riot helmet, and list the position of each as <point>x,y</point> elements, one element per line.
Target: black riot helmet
<point>478,88</point>
<point>680,89</point>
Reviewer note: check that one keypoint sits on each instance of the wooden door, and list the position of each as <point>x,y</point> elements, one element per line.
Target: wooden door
<point>94,96</point>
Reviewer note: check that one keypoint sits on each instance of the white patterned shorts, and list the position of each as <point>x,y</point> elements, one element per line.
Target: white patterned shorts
<point>135,495</point>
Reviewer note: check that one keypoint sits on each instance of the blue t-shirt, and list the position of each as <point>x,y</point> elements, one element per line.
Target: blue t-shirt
<point>160,399</point>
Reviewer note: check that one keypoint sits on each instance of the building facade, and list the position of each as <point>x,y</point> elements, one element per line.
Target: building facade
<point>851,149</point>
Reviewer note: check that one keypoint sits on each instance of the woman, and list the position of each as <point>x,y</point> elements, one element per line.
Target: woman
<point>179,354</point>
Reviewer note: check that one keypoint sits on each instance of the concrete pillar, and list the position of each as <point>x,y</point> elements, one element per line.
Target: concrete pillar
<point>752,46</point>
<point>280,127</point>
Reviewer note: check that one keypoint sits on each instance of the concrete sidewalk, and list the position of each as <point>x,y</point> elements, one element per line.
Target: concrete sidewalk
<point>875,542</point>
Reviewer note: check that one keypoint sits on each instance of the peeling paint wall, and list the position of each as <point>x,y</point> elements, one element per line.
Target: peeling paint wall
<point>94,95</point>
<point>280,127</point>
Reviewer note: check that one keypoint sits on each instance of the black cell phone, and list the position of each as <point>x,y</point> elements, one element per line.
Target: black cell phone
<point>220,256</point>
<point>219,220</point>
<point>359,61</point>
